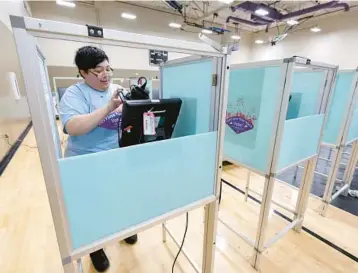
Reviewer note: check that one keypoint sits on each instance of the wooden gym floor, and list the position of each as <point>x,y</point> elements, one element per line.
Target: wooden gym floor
<point>28,241</point>
<point>337,227</point>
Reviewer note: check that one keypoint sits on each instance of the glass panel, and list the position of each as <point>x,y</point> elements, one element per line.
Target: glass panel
<point>305,93</point>
<point>193,84</point>
<point>107,192</point>
<point>353,130</point>
<point>252,102</point>
<point>300,140</point>
<point>339,103</point>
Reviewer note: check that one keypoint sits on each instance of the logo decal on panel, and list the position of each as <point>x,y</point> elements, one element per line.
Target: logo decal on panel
<point>238,118</point>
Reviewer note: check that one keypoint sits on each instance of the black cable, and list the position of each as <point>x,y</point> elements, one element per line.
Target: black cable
<point>119,131</point>
<point>182,243</point>
<point>122,97</point>
<point>7,139</point>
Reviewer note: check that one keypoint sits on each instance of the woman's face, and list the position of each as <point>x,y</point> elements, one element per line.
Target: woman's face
<point>99,77</point>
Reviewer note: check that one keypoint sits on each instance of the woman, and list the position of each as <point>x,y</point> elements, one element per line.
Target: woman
<point>90,112</point>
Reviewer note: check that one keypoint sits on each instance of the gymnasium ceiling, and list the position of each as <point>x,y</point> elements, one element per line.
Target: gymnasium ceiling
<point>202,12</point>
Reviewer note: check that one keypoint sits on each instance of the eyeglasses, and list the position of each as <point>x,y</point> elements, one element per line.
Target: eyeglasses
<point>101,74</point>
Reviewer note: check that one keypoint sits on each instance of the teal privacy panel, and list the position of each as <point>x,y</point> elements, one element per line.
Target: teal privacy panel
<point>339,104</point>
<point>308,85</point>
<point>252,101</point>
<point>110,191</point>
<point>300,140</point>
<point>191,82</point>
<point>353,128</point>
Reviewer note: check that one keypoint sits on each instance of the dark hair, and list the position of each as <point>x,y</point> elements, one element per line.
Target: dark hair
<point>88,57</point>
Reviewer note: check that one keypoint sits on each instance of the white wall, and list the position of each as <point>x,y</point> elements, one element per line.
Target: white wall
<point>337,43</point>
<point>243,55</point>
<point>120,57</point>
<point>14,114</point>
<point>109,17</point>
<point>147,22</point>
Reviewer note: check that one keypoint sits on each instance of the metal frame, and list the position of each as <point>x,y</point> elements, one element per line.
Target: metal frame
<point>258,64</point>
<point>79,33</point>
<point>259,245</point>
<point>186,60</point>
<point>25,31</point>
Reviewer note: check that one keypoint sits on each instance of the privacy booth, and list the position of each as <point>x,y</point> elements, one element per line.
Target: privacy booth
<point>340,134</point>
<point>275,119</point>
<point>341,130</point>
<point>168,177</point>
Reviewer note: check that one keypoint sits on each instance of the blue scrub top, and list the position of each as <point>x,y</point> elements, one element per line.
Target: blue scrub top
<point>82,99</point>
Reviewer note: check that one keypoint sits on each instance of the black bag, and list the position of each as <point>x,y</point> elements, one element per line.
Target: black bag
<point>138,92</point>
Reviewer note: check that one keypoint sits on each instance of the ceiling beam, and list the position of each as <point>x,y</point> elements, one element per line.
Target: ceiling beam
<point>206,15</point>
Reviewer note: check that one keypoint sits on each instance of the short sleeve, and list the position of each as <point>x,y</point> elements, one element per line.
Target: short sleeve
<point>73,103</point>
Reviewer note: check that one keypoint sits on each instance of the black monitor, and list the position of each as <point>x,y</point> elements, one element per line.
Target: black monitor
<point>165,112</point>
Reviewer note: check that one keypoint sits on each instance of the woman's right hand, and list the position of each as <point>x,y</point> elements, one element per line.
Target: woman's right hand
<point>115,102</point>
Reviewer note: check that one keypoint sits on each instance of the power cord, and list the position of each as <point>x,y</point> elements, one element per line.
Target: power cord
<point>123,98</point>
<point>7,138</point>
<point>143,95</point>
<point>182,243</point>
<point>119,132</point>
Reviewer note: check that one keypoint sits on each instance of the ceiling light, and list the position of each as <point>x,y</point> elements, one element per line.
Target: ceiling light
<point>235,37</point>
<point>128,16</point>
<point>65,3</point>
<point>175,25</point>
<point>292,22</point>
<point>207,31</point>
<point>261,11</point>
<point>315,29</point>
<point>259,42</point>
<point>226,1</point>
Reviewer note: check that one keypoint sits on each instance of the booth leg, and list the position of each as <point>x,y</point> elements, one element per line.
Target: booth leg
<point>70,268</point>
<point>211,216</point>
<point>331,179</point>
<point>220,191</point>
<point>295,175</point>
<point>263,219</point>
<point>79,266</point>
<point>247,185</point>
<point>164,233</point>
<point>354,164</point>
<point>348,166</point>
<point>304,192</point>
<point>351,167</point>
